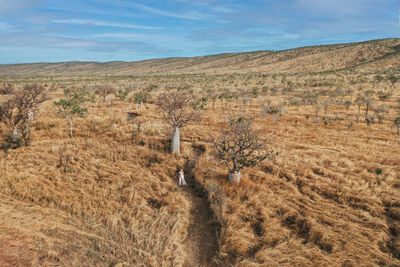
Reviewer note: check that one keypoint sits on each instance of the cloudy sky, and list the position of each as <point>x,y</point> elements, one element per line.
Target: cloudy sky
<point>130,30</point>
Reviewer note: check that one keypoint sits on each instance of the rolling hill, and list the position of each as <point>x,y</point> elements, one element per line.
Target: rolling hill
<point>371,55</point>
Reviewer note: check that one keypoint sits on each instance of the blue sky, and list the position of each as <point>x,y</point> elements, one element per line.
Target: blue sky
<point>99,30</point>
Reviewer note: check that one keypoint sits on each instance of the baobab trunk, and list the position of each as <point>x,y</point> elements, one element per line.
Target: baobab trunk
<point>234,177</point>
<point>15,134</point>
<point>175,142</point>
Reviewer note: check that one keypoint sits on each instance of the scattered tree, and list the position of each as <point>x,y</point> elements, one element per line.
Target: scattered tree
<point>6,88</point>
<point>393,79</point>
<point>380,112</point>
<point>359,101</point>
<point>132,117</point>
<point>326,103</point>
<point>122,94</point>
<point>378,79</point>
<point>239,146</point>
<point>347,104</point>
<point>177,110</point>
<point>384,95</point>
<point>397,124</point>
<point>317,109</point>
<point>368,103</point>
<point>18,112</point>
<point>104,91</point>
<point>72,105</point>
<point>139,98</point>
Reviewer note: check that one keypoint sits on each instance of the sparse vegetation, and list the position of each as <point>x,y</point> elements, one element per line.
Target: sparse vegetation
<point>329,197</point>
<point>18,112</point>
<point>177,110</point>
<point>72,105</point>
<point>239,146</point>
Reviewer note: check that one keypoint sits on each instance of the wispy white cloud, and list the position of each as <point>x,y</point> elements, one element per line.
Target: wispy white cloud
<point>103,23</point>
<point>127,35</point>
<point>192,15</point>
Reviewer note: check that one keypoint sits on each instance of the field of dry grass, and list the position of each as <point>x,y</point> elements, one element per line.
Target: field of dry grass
<point>329,196</point>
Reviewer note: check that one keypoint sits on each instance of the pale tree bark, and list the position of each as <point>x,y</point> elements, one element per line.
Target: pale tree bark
<point>177,110</point>
<point>175,142</point>
<point>70,126</point>
<point>15,134</point>
<point>235,177</point>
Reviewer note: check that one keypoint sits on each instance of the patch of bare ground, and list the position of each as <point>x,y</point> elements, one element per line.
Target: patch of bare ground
<point>201,243</point>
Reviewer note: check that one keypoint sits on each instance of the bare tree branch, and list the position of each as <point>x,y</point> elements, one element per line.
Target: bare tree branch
<point>240,146</point>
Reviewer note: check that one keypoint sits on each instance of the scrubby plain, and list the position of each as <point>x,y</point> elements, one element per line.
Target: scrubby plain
<point>329,195</point>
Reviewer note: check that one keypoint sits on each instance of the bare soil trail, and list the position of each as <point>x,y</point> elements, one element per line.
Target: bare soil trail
<point>201,244</point>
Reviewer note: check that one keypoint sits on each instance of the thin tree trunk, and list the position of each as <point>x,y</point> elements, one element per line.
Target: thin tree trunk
<point>175,142</point>
<point>70,127</point>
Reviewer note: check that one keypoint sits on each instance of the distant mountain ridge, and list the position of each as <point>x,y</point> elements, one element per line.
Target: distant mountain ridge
<point>362,56</point>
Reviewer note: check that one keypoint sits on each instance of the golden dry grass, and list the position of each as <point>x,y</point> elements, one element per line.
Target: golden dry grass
<point>122,197</point>
<point>320,201</point>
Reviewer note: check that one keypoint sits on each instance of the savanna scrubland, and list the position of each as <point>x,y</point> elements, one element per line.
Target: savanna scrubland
<point>328,195</point>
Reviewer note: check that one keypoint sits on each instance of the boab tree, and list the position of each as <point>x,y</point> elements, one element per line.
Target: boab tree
<point>18,112</point>
<point>177,109</point>
<point>239,146</point>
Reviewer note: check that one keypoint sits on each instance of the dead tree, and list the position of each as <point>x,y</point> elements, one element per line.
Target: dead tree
<point>104,91</point>
<point>239,146</point>
<point>177,109</point>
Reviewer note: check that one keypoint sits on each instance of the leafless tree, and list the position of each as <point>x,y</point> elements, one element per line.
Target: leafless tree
<point>104,91</point>
<point>317,109</point>
<point>18,112</point>
<point>396,122</point>
<point>380,112</point>
<point>177,109</point>
<point>368,103</point>
<point>326,103</point>
<point>6,88</point>
<point>359,101</point>
<point>239,146</point>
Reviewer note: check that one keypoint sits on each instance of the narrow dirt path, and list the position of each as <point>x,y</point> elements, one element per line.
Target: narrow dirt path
<point>201,244</point>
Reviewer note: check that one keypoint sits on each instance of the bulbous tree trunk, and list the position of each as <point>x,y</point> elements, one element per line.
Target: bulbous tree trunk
<point>175,142</point>
<point>235,177</point>
<point>14,134</point>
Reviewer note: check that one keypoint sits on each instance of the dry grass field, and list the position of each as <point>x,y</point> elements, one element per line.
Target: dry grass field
<point>329,195</point>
